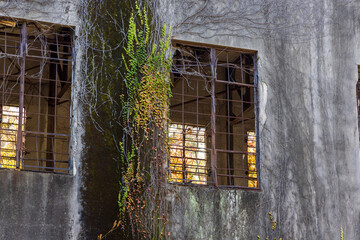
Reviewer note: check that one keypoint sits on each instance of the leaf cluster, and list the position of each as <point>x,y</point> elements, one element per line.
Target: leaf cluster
<point>147,89</point>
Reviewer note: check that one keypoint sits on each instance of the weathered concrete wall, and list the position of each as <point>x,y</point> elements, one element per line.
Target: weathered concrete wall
<point>308,121</point>
<point>52,11</point>
<point>37,206</point>
<point>310,168</point>
<point>88,197</point>
<point>45,205</point>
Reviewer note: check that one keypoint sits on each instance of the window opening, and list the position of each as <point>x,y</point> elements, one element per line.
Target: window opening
<point>187,154</point>
<point>215,90</point>
<point>36,74</point>
<point>9,126</point>
<point>251,141</point>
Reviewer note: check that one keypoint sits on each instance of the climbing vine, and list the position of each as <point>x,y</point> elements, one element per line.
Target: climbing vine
<point>273,226</point>
<point>144,118</point>
<point>140,159</point>
<point>147,70</point>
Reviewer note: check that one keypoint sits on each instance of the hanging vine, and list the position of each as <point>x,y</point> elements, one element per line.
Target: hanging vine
<point>141,120</point>
<point>144,118</point>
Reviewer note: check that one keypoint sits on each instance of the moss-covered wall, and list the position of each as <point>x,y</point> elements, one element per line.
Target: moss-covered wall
<point>103,31</point>
<point>43,205</point>
<point>308,57</point>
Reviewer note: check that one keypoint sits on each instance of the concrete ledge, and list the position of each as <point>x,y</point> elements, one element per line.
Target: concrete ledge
<point>36,205</point>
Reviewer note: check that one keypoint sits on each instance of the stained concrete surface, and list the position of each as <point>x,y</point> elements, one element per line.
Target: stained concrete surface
<point>309,146</point>
<point>308,134</point>
<point>36,206</point>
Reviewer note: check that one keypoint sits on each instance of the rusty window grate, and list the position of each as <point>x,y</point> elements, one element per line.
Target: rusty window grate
<point>35,86</point>
<point>213,133</point>
<point>9,126</point>
<point>188,153</point>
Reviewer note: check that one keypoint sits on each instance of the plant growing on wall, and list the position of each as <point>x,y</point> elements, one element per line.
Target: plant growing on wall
<point>201,18</point>
<point>144,118</point>
<point>273,226</point>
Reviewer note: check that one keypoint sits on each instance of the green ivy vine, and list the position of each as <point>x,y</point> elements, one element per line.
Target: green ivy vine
<point>147,89</point>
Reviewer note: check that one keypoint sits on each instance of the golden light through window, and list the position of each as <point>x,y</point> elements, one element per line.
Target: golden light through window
<point>36,80</point>
<point>213,108</point>
<point>252,159</point>
<point>187,154</point>
<point>9,127</point>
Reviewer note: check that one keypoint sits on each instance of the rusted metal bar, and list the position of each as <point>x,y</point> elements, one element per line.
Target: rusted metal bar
<point>2,85</point>
<point>183,153</point>
<point>23,89</point>
<point>233,176</point>
<point>237,84</point>
<point>51,111</point>
<point>29,37</point>
<point>257,130</point>
<point>227,161</point>
<point>358,98</point>
<point>213,118</point>
<point>13,61</point>
<point>234,151</point>
<point>21,98</point>
<point>199,98</point>
<point>229,127</point>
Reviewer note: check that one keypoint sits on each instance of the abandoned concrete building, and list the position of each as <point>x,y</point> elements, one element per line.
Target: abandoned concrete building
<point>264,116</point>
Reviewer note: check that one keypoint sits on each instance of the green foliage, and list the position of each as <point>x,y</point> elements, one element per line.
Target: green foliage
<point>341,233</point>
<point>273,226</point>
<point>147,71</point>
<point>144,116</point>
<point>123,195</point>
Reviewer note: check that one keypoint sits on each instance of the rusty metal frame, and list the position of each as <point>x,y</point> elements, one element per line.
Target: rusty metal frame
<point>42,84</point>
<point>195,63</point>
<point>358,98</point>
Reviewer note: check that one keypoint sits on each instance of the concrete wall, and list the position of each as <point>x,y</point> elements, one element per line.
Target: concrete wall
<point>310,168</point>
<point>52,11</point>
<point>84,204</point>
<point>44,205</point>
<point>37,206</point>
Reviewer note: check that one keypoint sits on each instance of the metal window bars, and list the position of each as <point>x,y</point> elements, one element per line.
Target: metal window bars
<point>188,154</point>
<point>214,91</point>
<point>36,72</point>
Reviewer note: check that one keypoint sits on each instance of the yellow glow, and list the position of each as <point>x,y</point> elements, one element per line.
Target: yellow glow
<point>187,154</point>
<point>9,126</point>
<point>251,149</point>
<point>8,23</point>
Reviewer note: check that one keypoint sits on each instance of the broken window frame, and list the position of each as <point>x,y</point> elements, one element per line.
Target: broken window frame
<point>58,54</point>
<point>214,151</point>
